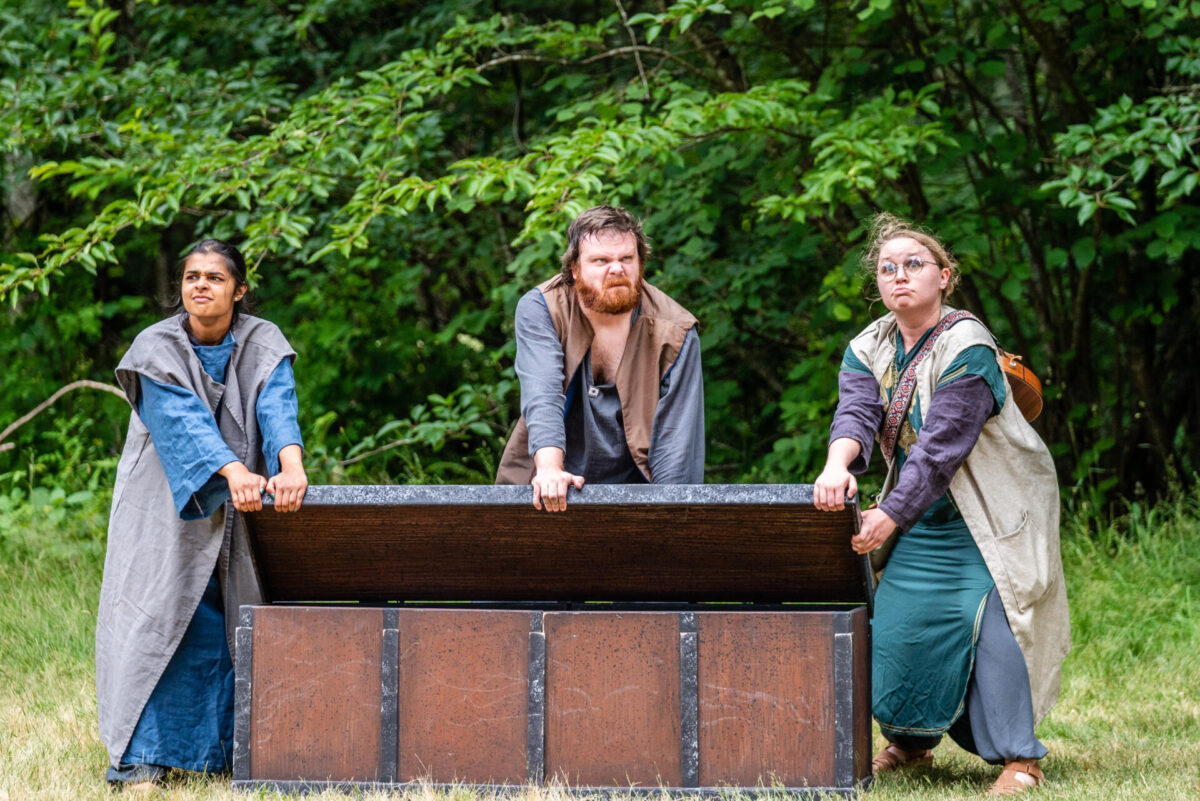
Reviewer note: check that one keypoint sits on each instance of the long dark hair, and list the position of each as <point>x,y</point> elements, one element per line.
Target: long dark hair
<point>235,262</point>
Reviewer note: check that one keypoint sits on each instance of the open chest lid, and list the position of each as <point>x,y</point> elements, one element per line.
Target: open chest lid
<point>694,543</point>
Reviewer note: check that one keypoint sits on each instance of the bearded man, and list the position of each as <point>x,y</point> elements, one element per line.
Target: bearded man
<point>611,390</point>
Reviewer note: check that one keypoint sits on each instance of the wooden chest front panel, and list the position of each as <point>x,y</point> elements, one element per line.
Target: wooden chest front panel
<point>315,713</point>
<point>463,695</point>
<point>765,709</point>
<point>590,698</point>
<point>612,698</point>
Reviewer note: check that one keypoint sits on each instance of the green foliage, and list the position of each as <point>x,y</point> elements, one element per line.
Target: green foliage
<point>1148,558</point>
<point>55,506</point>
<point>465,416</point>
<point>399,174</point>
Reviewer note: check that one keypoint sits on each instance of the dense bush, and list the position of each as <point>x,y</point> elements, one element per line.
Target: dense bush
<point>399,173</point>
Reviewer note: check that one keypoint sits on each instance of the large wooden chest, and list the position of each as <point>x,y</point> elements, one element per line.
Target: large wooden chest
<point>649,637</point>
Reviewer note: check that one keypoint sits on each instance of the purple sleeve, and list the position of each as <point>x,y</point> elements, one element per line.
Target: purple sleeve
<point>859,412</point>
<point>956,415</point>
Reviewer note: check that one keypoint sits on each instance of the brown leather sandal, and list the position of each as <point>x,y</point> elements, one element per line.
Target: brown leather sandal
<point>1017,777</point>
<point>893,757</point>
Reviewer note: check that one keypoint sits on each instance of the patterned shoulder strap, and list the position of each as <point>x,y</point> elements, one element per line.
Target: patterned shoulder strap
<point>902,397</point>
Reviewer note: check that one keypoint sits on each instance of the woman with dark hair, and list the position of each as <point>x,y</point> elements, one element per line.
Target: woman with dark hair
<point>213,429</point>
<point>970,620</point>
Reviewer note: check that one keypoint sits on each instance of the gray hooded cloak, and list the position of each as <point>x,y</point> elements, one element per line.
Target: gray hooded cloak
<point>157,565</point>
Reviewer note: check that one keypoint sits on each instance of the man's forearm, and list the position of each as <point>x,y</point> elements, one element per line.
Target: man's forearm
<point>548,458</point>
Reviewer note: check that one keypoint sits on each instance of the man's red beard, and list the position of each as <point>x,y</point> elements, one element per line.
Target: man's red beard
<point>618,296</point>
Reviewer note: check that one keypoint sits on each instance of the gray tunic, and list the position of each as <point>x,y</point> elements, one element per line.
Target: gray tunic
<point>586,422</point>
<point>595,433</point>
<point>157,566</point>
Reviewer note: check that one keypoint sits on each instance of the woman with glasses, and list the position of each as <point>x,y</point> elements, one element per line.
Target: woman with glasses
<point>970,624</point>
<point>213,430</point>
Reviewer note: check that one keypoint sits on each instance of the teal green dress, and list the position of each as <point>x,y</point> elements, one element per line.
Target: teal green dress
<point>930,601</point>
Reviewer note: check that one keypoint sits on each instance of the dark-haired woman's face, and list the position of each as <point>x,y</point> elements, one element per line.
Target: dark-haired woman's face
<point>208,290</point>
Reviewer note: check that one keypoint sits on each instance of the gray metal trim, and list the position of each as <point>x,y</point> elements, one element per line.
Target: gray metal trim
<point>242,696</point>
<point>535,736</point>
<point>843,701</point>
<point>689,700</point>
<point>869,584</point>
<point>592,494</point>
<point>598,606</point>
<point>868,572</point>
<point>389,708</point>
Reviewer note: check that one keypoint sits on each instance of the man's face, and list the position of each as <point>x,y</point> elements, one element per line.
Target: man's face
<point>608,275</point>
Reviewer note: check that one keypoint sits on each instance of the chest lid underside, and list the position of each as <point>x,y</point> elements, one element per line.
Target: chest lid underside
<point>711,542</point>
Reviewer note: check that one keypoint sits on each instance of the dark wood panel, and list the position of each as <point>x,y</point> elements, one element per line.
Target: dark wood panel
<point>709,550</point>
<point>862,693</point>
<point>316,687</point>
<point>612,698</point>
<point>463,695</point>
<point>765,708</point>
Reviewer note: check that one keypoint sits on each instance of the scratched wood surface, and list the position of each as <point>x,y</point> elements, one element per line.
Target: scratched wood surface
<point>621,552</point>
<point>765,692</point>
<point>463,697</point>
<point>612,699</point>
<point>317,693</point>
<point>862,692</point>
<point>765,710</point>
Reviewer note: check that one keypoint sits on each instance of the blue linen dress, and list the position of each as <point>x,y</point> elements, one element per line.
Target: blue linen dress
<point>188,721</point>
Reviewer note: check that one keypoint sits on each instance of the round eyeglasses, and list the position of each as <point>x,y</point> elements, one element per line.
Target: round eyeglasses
<point>912,266</point>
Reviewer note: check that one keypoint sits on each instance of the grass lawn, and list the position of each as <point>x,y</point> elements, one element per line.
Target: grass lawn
<point>1127,725</point>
